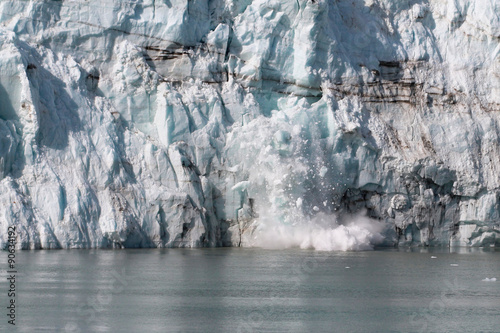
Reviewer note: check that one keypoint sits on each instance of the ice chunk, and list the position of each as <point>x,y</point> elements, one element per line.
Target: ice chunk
<point>323,171</point>
<point>241,186</point>
<point>489,280</point>
<point>298,203</point>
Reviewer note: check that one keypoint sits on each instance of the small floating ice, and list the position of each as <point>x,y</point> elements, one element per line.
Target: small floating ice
<point>433,257</point>
<point>489,280</point>
<point>453,264</point>
<point>350,267</point>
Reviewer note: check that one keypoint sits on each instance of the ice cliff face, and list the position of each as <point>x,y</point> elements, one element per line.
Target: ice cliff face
<point>168,123</point>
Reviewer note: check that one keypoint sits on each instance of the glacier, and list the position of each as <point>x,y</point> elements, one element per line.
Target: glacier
<point>326,124</point>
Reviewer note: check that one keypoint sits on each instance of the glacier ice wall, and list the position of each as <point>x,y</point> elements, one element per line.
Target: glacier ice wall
<point>176,123</point>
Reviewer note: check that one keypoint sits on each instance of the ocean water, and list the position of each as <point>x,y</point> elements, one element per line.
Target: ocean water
<point>254,290</point>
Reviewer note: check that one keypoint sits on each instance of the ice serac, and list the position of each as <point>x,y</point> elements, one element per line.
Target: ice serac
<point>333,125</point>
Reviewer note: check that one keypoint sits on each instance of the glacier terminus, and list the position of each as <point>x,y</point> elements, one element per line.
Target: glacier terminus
<point>325,124</point>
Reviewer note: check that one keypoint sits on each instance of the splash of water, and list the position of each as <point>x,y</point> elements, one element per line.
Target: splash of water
<point>322,233</point>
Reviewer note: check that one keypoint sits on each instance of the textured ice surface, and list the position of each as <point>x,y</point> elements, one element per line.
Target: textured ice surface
<point>209,123</point>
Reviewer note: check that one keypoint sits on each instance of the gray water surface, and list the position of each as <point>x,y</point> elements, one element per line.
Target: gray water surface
<point>254,290</point>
